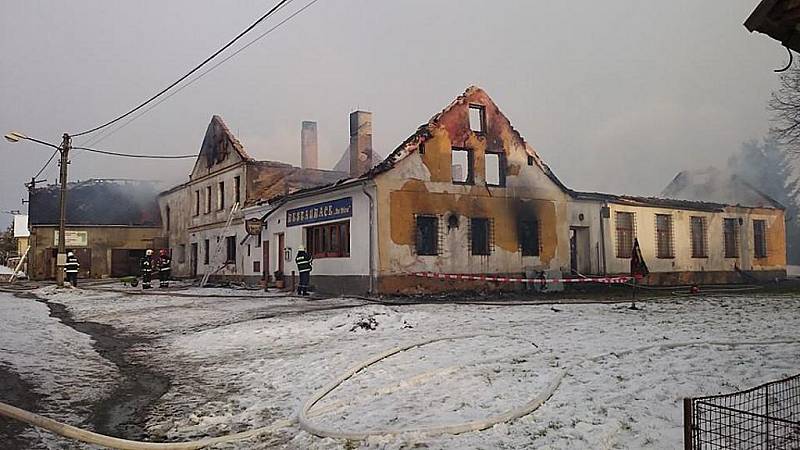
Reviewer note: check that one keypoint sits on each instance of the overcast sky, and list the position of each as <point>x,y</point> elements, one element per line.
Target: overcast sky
<point>616,96</point>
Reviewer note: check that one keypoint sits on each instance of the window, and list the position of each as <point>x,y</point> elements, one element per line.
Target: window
<point>168,214</point>
<point>461,166</point>
<point>182,253</point>
<point>206,252</point>
<point>477,118</point>
<point>329,241</point>
<point>196,203</point>
<point>258,240</point>
<point>760,238</point>
<point>208,199</point>
<point>480,236</point>
<point>248,250</point>
<point>427,240</point>
<point>221,195</point>
<point>257,266</point>
<point>626,232</point>
<point>730,237</point>
<point>664,247</point>
<point>495,169</point>
<point>529,237</point>
<point>230,250</point>
<point>237,186</point>
<point>699,237</point>
<point>530,160</point>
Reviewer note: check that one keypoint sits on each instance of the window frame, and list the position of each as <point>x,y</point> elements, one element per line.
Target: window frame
<point>237,187</point>
<point>433,248</point>
<point>320,240</point>
<point>487,235</point>
<point>732,234</point>
<point>529,250</point>
<point>624,250</point>
<point>220,195</point>
<point>208,200</point>
<point>470,176</point>
<point>230,249</point>
<point>481,110</point>
<point>197,202</point>
<point>501,168</point>
<point>206,252</point>
<point>701,252</point>
<point>665,241</point>
<point>760,244</point>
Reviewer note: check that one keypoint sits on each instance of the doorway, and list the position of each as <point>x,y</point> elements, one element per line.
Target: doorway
<point>193,260</point>
<point>580,250</point>
<point>265,258</point>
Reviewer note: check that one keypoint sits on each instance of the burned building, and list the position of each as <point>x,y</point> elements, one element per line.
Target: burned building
<point>466,196</point>
<point>202,218</point>
<point>109,225</point>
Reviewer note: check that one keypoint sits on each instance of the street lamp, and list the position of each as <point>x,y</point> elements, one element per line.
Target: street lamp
<point>61,259</point>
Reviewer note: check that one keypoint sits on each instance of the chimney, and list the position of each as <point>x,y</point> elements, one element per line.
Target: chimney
<point>360,143</point>
<point>308,145</point>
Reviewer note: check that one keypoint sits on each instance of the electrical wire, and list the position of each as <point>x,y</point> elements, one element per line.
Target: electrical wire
<point>45,165</point>
<point>275,8</point>
<point>198,77</point>
<point>131,155</point>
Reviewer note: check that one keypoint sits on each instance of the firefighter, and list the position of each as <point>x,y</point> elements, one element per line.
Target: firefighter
<point>303,261</point>
<point>164,269</point>
<point>146,267</point>
<point>71,269</point>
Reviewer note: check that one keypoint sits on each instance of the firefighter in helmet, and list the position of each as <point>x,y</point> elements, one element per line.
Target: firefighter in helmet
<point>164,269</point>
<point>146,267</point>
<point>71,268</point>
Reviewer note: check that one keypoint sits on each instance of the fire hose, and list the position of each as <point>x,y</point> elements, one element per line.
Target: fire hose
<point>305,423</point>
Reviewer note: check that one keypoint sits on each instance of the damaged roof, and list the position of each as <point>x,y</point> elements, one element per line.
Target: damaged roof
<point>778,19</point>
<point>98,202</point>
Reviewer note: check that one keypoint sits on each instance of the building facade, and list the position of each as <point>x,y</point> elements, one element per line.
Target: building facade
<point>110,224</point>
<point>466,194</point>
<point>202,219</point>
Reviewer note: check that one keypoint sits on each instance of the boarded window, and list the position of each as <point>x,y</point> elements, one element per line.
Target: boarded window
<point>529,237</point>
<point>331,240</point>
<point>206,252</point>
<point>495,169</point>
<point>664,245</point>
<point>626,232</point>
<point>427,240</point>
<point>730,237</point>
<point>221,195</point>
<point>237,187</point>
<point>699,236</point>
<point>257,266</point>
<point>480,238</point>
<point>461,167</point>
<point>760,238</point>
<point>196,203</point>
<point>230,249</point>
<point>477,118</point>
<point>208,199</point>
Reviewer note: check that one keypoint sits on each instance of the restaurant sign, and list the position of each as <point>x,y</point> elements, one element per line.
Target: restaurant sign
<point>253,226</point>
<point>320,212</point>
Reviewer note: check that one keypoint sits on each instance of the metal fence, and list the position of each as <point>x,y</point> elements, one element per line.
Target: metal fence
<point>764,417</point>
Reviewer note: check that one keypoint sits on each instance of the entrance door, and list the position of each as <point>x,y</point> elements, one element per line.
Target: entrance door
<point>580,250</point>
<point>193,260</point>
<point>281,249</point>
<point>265,260</point>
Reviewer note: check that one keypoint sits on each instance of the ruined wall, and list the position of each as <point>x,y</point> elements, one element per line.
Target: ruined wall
<point>716,260</point>
<point>101,241</point>
<point>423,184</point>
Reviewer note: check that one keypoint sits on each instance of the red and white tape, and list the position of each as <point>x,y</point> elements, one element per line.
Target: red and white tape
<point>452,276</point>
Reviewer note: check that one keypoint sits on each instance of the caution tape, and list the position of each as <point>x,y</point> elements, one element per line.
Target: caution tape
<point>453,276</point>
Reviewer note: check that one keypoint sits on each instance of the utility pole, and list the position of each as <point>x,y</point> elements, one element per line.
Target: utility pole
<point>61,259</point>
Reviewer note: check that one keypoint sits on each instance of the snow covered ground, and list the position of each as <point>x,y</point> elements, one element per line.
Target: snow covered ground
<point>237,363</point>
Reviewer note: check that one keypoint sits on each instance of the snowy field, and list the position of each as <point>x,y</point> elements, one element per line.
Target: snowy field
<point>237,363</point>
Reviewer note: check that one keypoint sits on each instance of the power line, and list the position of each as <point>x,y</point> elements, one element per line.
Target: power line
<point>198,77</point>
<point>45,165</point>
<point>131,155</point>
<point>188,74</point>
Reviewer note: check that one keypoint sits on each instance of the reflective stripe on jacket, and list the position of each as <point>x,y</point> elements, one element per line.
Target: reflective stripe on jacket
<point>72,265</point>
<point>164,264</point>
<point>303,261</point>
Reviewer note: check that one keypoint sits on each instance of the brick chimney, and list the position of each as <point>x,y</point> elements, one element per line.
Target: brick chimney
<point>360,143</point>
<point>308,146</point>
